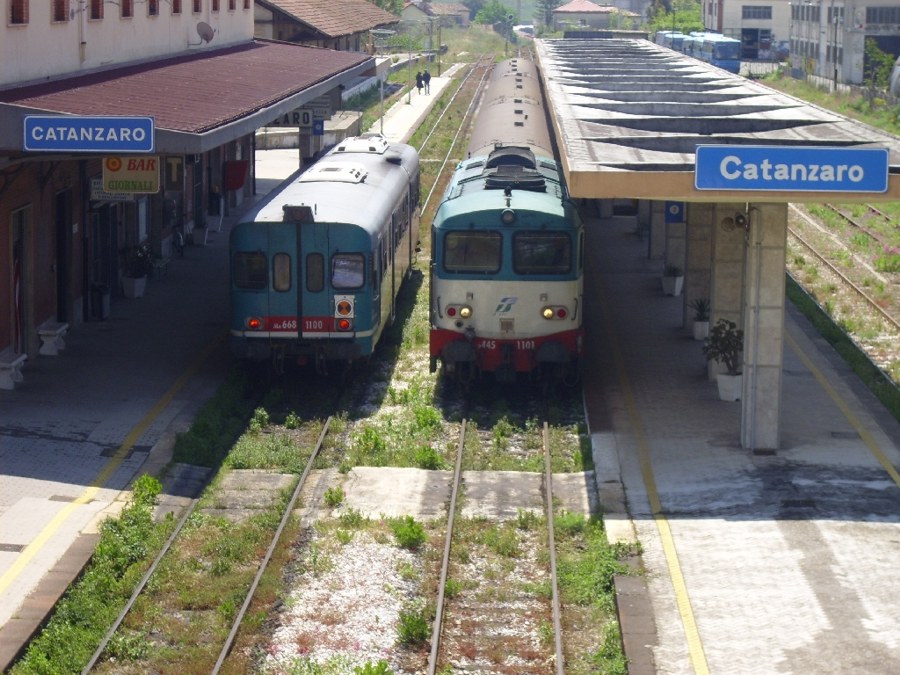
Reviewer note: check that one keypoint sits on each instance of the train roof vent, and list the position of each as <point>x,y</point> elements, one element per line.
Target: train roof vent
<point>334,172</point>
<point>515,155</point>
<point>515,178</point>
<point>298,213</point>
<point>368,143</point>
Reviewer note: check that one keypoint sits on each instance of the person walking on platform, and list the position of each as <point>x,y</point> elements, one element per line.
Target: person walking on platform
<point>419,82</point>
<point>426,80</point>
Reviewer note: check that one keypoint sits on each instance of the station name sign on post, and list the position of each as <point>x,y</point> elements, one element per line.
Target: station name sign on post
<point>64,133</point>
<point>791,169</point>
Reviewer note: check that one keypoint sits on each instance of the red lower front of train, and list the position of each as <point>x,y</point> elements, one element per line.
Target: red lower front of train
<point>466,351</point>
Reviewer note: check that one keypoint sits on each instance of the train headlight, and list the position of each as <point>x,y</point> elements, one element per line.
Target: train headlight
<point>465,311</point>
<point>508,217</point>
<point>254,323</point>
<point>554,312</point>
<point>344,325</point>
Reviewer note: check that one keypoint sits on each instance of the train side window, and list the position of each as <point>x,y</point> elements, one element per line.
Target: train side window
<point>476,252</point>
<point>250,270</point>
<point>542,253</point>
<point>315,272</point>
<point>281,272</point>
<point>348,270</point>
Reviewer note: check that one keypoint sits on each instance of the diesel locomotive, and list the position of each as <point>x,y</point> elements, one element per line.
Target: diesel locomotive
<point>507,246</point>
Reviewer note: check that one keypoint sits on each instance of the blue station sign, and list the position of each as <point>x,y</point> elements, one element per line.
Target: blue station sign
<point>64,133</point>
<point>783,168</point>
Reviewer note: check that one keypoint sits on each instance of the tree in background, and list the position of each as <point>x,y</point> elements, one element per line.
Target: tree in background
<point>543,12</point>
<point>474,6</point>
<point>494,12</point>
<point>877,71</point>
<point>680,15</point>
<point>392,6</point>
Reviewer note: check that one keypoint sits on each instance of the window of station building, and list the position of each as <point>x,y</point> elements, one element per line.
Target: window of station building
<point>883,15</point>
<point>281,272</point>
<point>60,11</point>
<point>249,270</point>
<point>153,7</point>
<point>18,12</point>
<point>348,270</point>
<point>756,12</point>
<point>197,6</point>
<point>126,9</point>
<point>542,253</point>
<point>232,4</point>
<point>96,10</point>
<point>473,252</point>
<point>315,272</point>
<point>176,6</point>
<point>215,5</point>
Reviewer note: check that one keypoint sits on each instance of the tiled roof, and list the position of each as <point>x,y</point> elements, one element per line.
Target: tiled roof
<point>448,8</point>
<point>193,93</point>
<point>334,18</point>
<point>585,6</point>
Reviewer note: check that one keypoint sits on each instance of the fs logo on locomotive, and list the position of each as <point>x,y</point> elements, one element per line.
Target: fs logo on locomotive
<point>505,305</point>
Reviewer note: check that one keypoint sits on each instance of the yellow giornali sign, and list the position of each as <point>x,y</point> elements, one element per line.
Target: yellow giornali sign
<point>131,174</point>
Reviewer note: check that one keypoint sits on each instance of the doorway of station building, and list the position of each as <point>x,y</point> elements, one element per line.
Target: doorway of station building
<point>756,44</point>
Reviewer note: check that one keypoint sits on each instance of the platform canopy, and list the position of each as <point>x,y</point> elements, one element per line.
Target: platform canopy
<point>629,116</point>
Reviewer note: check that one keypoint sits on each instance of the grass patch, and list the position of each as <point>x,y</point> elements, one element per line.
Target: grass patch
<point>872,377</point>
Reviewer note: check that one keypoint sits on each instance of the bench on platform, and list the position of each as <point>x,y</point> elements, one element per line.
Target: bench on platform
<point>52,334</point>
<point>161,266</point>
<point>11,368</point>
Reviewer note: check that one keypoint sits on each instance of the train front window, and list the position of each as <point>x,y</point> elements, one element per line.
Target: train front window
<point>315,272</point>
<point>542,253</point>
<point>474,252</point>
<point>281,272</point>
<point>348,270</point>
<point>250,270</point>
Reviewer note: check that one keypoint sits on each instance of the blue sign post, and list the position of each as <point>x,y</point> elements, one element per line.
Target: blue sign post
<point>64,133</point>
<point>791,169</point>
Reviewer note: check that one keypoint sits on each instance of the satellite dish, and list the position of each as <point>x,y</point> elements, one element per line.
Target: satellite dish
<point>205,31</point>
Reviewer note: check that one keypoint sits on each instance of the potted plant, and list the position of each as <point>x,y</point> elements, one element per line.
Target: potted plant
<point>672,280</point>
<point>138,267</point>
<point>724,347</point>
<point>701,318</point>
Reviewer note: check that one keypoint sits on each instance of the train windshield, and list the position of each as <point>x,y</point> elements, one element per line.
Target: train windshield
<point>728,50</point>
<point>476,252</point>
<point>542,253</point>
<point>249,270</point>
<point>348,270</point>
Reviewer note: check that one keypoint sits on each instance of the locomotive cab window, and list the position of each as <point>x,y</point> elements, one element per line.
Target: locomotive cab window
<point>348,270</point>
<point>250,270</point>
<point>474,252</point>
<point>281,272</point>
<point>542,253</point>
<point>315,272</point>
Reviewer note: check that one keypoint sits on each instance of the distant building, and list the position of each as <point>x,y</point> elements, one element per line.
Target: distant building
<point>343,25</point>
<point>451,13</point>
<point>585,14</point>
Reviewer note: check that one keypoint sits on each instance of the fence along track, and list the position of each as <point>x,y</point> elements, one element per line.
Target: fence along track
<point>223,654</point>
<point>445,561</point>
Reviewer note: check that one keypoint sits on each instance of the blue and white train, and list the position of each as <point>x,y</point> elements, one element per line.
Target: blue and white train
<point>316,267</point>
<point>507,247</point>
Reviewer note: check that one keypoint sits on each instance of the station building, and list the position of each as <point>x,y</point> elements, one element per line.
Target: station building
<point>86,184</point>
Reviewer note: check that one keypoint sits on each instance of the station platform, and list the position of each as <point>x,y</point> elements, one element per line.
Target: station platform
<point>770,563</point>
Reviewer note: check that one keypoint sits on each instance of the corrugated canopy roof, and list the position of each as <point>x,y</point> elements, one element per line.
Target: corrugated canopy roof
<point>629,115</point>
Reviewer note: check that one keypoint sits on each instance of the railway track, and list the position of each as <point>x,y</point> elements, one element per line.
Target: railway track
<point>487,615</point>
<point>853,222</point>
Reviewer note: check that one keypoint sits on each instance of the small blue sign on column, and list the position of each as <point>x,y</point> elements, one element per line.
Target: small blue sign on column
<point>85,133</point>
<point>318,127</point>
<point>791,169</point>
<point>674,212</point>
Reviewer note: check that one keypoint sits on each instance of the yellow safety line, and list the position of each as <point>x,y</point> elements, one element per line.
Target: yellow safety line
<point>844,408</point>
<point>33,548</point>
<point>683,601</point>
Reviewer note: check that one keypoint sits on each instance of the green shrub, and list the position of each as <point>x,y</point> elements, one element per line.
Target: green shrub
<point>408,533</point>
<point>414,627</point>
<point>429,458</point>
<point>334,496</point>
